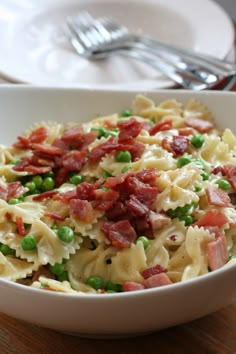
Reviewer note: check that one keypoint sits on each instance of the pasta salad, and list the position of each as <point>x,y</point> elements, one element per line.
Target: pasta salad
<point>134,200</point>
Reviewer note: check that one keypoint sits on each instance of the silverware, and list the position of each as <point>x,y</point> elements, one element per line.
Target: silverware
<point>97,38</point>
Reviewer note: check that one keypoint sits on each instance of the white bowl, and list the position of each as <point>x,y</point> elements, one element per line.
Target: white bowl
<point>118,314</point>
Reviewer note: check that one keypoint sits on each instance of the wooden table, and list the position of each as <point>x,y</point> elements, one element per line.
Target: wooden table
<point>214,334</point>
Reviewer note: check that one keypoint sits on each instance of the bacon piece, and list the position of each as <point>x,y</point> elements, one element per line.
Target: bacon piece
<point>230,171</point>
<point>72,133</point>
<point>201,125</point>
<point>82,209</point>
<point>136,207</point>
<point>61,176</point>
<point>47,149</point>
<point>43,271</point>
<point>163,125</point>
<point>38,135</point>
<point>212,217</point>
<point>217,252</point>
<point>25,165</point>
<point>218,197</point>
<point>102,149</point>
<point>179,144</point>
<point>22,143</point>
<point>121,234</point>
<point>157,280</point>
<point>3,192</point>
<point>117,212</point>
<point>20,226</point>
<point>218,169</point>
<point>74,160</point>
<point>136,149</point>
<point>112,182</point>
<point>148,176</point>
<point>166,144</point>
<point>104,200</point>
<point>44,195</point>
<point>129,129</point>
<point>142,226</point>
<point>186,131</point>
<point>54,216</point>
<point>85,191</point>
<point>66,196</point>
<point>149,272</point>
<point>145,193</point>
<point>132,286</point>
<point>158,220</point>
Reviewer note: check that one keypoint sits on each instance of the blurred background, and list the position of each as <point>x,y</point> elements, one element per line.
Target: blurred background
<point>229,6</point>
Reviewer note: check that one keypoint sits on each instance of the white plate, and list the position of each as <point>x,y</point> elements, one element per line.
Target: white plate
<point>33,48</point>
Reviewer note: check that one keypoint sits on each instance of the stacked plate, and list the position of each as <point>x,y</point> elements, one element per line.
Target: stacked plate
<point>34,50</point>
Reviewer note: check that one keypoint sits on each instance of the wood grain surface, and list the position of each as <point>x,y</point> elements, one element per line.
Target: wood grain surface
<point>213,334</point>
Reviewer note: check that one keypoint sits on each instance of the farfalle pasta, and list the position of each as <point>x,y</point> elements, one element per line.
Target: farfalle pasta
<point>137,199</point>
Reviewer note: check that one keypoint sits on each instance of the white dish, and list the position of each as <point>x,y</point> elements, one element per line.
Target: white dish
<point>119,314</point>
<point>34,50</point>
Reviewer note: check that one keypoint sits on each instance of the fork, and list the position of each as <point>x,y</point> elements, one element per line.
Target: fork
<point>97,38</point>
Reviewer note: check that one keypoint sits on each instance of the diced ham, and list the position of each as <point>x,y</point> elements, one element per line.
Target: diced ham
<point>3,192</point>
<point>81,209</point>
<point>218,197</point>
<point>212,217</point>
<point>149,272</point>
<point>163,125</point>
<point>158,220</point>
<point>121,234</point>
<point>217,252</point>
<point>230,171</point>
<point>186,131</point>
<point>201,125</point>
<point>157,280</point>
<point>132,286</point>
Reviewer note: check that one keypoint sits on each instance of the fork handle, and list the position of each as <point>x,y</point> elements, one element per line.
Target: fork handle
<point>210,63</point>
<point>187,81</point>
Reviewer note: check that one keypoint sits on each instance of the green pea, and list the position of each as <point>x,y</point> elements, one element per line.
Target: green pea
<point>112,287</point>
<point>224,184</point>
<point>95,282</point>
<point>198,189</point>
<point>232,256</point>
<point>63,276</point>
<point>123,156</point>
<point>102,132</point>
<point>14,201</point>
<point>126,168</point>
<point>28,243</point>
<point>31,186</point>
<point>197,140</point>
<point>57,268</point>
<point>14,162</point>
<point>6,250</point>
<point>76,179</point>
<point>188,220</point>
<point>205,176</point>
<point>38,181</point>
<point>172,213</point>
<point>106,174</point>
<point>145,241</point>
<point>126,113</point>
<point>48,184</point>
<point>104,188</point>
<point>66,234</point>
<point>54,226</point>
<point>182,161</point>
<point>49,174</point>
<point>185,209</point>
